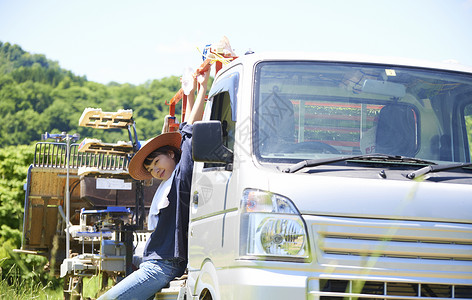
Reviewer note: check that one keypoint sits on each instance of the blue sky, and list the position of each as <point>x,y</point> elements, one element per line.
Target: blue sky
<point>137,40</point>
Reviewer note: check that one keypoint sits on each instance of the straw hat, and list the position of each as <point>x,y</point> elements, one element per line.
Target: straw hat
<point>136,165</point>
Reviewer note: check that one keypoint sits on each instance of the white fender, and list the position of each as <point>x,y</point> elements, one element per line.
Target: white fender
<point>207,279</point>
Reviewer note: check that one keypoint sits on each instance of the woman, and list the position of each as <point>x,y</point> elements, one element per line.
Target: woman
<point>167,157</point>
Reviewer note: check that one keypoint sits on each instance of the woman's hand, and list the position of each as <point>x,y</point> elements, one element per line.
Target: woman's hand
<point>192,81</point>
<point>165,126</point>
<point>196,113</point>
<point>203,80</point>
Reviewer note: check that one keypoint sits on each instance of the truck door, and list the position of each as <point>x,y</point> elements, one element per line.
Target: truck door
<point>210,183</point>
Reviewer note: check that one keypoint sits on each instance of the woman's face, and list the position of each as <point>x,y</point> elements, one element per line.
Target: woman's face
<point>162,166</point>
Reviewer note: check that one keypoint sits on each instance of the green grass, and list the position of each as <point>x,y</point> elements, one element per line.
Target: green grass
<point>92,287</point>
<point>12,287</point>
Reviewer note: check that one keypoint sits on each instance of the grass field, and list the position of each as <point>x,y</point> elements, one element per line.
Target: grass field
<point>12,288</point>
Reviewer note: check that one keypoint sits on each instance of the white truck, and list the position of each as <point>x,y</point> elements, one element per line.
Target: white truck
<point>329,177</point>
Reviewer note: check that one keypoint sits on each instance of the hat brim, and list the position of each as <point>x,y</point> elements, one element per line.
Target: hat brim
<point>136,165</point>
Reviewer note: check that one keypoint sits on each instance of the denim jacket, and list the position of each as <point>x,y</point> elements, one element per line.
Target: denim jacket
<point>169,239</point>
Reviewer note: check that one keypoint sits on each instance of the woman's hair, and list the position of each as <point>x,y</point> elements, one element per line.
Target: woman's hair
<point>163,150</point>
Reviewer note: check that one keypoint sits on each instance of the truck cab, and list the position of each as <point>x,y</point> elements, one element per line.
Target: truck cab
<point>330,177</point>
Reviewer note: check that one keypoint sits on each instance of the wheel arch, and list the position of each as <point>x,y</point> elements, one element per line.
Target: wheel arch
<point>206,285</point>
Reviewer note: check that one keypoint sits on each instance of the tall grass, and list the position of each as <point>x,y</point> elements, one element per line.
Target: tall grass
<point>13,287</point>
<point>26,277</point>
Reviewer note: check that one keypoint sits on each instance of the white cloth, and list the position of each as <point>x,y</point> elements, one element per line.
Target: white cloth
<point>159,201</point>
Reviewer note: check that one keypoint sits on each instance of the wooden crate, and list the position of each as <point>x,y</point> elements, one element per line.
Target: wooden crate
<point>46,194</point>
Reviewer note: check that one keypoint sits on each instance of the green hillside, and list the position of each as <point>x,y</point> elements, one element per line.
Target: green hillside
<point>38,96</point>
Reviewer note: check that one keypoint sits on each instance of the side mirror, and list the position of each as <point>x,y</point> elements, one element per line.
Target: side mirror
<point>207,143</point>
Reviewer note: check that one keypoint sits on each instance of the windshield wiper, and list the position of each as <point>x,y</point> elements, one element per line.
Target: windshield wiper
<point>377,157</point>
<point>435,168</point>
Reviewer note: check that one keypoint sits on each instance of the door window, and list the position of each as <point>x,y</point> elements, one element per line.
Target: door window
<point>468,126</point>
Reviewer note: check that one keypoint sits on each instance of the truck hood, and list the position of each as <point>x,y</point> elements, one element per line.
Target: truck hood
<point>316,194</point>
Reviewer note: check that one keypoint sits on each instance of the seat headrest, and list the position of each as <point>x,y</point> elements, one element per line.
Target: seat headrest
<point>397,130</point>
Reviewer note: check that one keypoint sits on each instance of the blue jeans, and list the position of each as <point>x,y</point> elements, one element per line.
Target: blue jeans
<point>143,283</point>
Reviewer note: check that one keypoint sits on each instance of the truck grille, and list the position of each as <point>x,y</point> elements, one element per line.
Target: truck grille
<point>398,248</point>
<point>349,289</point>
<point>408,246</point>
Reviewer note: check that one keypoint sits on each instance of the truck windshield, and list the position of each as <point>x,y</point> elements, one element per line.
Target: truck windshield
<point>311,110</point>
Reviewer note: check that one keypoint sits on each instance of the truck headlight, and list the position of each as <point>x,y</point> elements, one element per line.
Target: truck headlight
<point>271,227</point>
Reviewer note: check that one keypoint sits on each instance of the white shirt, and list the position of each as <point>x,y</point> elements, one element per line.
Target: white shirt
<point>159,201</point>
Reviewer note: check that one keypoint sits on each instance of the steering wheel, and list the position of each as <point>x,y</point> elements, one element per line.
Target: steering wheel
<point>312,146</point>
